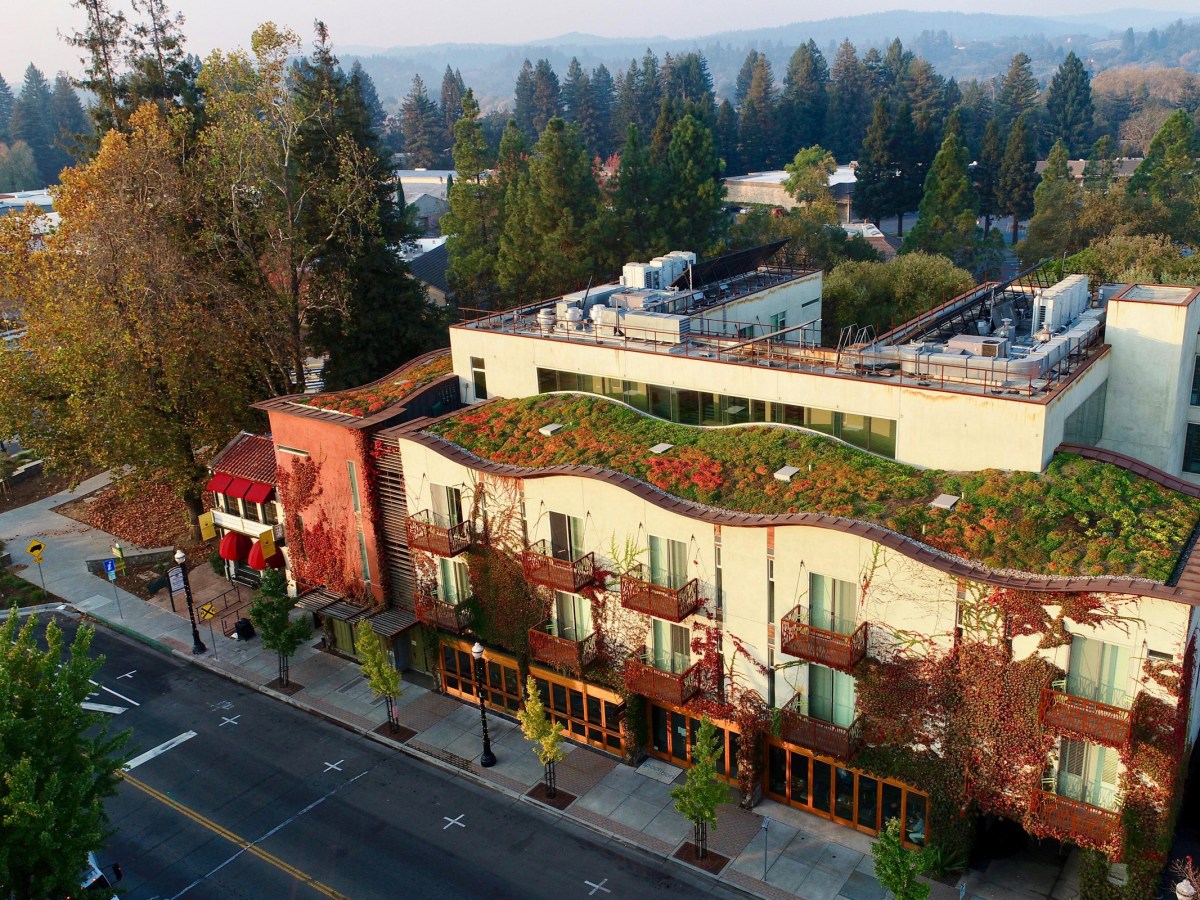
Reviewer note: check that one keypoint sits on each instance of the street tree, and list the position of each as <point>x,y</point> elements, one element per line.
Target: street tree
<point>271,614</point>
<point>699,796</point>
<point>1069,105</point>
<point>897,868</point>
<point>949,207</point>
<point>546,736</point>
<point>112,373</point>
<point>1053,230</point>
<point>59,760</point>
<point>1017,178</point>
<point>382,677</point>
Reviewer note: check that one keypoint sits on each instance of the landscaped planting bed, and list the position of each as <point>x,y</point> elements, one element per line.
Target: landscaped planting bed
<point>368,400</point>
<point>1079,517</point>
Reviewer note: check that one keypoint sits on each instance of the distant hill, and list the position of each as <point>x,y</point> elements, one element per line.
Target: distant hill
<point>962,45</point>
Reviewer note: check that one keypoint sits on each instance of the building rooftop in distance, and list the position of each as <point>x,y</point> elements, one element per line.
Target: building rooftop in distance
<point>1170,295</point>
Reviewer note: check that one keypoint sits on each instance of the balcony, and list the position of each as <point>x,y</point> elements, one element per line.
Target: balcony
<point>559,652</point>
<point>1098,826</point>
<point>818,735</point>
<point>436,534</point>
<point>249,527</point>
<point>1100,723</point>
<point>436,613</point>
<point>835,649</point>
<point>641,677</point>
<point>640,594</point>
<point>544,568</point>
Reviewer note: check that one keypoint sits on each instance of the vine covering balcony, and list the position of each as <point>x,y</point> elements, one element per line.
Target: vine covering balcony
<point>640,594</point>
<point>1096,825</point>
<point>436,534</point>
<point>642,677</point>
<point>818,735</point>
<point>438,613</point>
<point>1101,723</point>
<point>544,568</point>
<point>841,651</point>
<point>560,652</point>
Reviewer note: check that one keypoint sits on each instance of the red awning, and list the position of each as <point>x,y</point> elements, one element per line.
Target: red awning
<point>219,482</point>
<point>238,487</point>
<point>260,493</point>
<point>255,559</point>
<point>234,546</point>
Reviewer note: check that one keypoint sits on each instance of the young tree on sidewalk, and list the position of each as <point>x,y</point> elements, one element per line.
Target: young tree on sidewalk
<point>59,761</point>
<point>270,614</point>
<point>546,736</point>
<point>897,868</point>
<point>697,798</point>
<point>381,675</point>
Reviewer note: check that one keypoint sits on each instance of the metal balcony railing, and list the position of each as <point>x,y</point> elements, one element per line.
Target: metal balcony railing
<point>819,735</point>
<point>544,568</point>
<point>640,594</point>
<point>841,646</point>
<point>1101,723</point>
<point>436,613</point>
<point>1096,825</point>
<point>676,688</point>
<point>436,534</point>
<point>559,651</point>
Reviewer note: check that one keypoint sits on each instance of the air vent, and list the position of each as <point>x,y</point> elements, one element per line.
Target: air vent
<point>661,448</point>
<point>549,430</point>
<point>944,501</point>
<point>786,473</point>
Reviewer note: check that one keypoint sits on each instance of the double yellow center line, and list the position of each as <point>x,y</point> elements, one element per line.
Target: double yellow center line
<point>242,843</point>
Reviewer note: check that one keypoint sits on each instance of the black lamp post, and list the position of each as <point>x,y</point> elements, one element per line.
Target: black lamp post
<point>197,644</point>
<point>489,758</point>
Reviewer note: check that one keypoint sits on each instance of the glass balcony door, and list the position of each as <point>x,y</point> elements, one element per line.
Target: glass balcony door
<point>571,616</point>
<point>447,505</point>
<point>1088,773</point>
<point>453,581</point>
<point>671,648</point>
<point>831,695</point>
<point>833,604</point>
<point>668,562</point>
<point>1099,671</point>
<point>566,536</point>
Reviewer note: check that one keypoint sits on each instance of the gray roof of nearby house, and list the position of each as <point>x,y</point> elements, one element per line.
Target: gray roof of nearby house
<point>431,268</point>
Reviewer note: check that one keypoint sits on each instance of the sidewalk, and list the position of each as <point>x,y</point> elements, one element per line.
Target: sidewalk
<point>805,856</point>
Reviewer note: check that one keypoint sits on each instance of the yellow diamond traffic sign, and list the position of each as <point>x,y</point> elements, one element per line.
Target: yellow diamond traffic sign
<point>35,547</point>
<point>207,611</point>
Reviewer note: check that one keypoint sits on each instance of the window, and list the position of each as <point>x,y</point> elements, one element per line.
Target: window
<point>1191,450</point>
<point>1099,671</point>
<point>270,513</point>
<point>479,378</point>
<point>447,505</point>
<point>718,577</point>
<point>832,604</point>
<point>779,321</point>
<point>571,616</point>
<point>566,536</point>
<point>1196,382</point>
<point>831,695</point>
<point>362,555</point>
<point>252,512</point>
<point>671,649</point>
<point>668,562</point>
<point>453,581</point>
<point>1086,424</point>
<point>353,471</point>
<point>1088,773</point>
<point>746,331</point>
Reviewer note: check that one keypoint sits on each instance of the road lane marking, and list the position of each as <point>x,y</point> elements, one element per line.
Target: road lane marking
<point>159,750</point>
<point>224,704</point>
<point>225,720</point>
<point>244,845</point>
<point>597,887</point>
<point>122,696</point>
<point>100,707</point>
<point>128,674</point>
<point>334,767</point>
<point>450,821</point>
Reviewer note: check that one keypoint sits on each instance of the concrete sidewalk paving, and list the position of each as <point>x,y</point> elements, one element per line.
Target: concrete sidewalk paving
<point>805,856</point>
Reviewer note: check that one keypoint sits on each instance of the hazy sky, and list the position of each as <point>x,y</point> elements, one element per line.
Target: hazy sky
<point>30,28</point>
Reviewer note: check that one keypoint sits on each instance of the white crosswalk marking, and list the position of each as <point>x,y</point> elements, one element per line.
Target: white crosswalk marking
<point>158,751</point>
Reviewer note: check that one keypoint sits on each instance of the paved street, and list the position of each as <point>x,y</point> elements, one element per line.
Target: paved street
<point>330,813</point>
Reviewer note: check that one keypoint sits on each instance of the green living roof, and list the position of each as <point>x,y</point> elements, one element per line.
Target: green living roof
<point>1079,517</point>
<point>375,397</point>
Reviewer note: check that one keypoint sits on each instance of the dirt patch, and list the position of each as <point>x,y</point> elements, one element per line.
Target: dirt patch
<point>143,514</point>
<point>713,863</point>
<point>37,487</point>
<point>401,734</point>
<point>561,799</point>
<point>292,687</point>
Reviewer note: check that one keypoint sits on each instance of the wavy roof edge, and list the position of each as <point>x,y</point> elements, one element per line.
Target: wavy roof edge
<point>911,548</point>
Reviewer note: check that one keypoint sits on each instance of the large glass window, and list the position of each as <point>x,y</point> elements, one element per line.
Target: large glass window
<point>668,562</point>
<point>566,536</point>
<point>352,471</point>
<point>363,558</point>
<point>1086,424</point>
<point>447,505</point>
<point>831,695</point>
<point>833,604</point>
<point>1098,671</point>
<point>571,616</point>
<point>453,580</point>
<point>1196,382</point>
<point>1191,450</point>
<point>671,647</point>
<point>479,377</point>
<point>1088,773</point>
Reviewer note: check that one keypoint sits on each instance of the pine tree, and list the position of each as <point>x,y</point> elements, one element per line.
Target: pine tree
<point>1069,105</point>
<point>1018,92</point>
<point>547,96</point>
<point>805,98</point>
<point>69,122</point>
<point>1167,176</point>
<point>102,42</point>
<point>752,142</point>
<point>1100,169</point>
<point>694,194</point>
<point>6,108</point>
<point>159,70</point>
<point>849,104</point>
<point>1053,230</point>
<point>604,94</point>
<point>876,173</point>
<point>450,100</point>
<point>634,223</point>
<point>422,125</point>
<point>987,173</point>
<point>59,760</point>
<point>649,92</point>
<point>691,82</point>
<point>31,122</point>
<point>760,104</point>
<point>473,223</point>
<point>1018,177</point>
<point>727,139</point>
<point>745,76</point>
<point>365,85</point>
<point>911,164</point>
<point>579,106</point>
<point>523,101</point>
<point>949,207</point>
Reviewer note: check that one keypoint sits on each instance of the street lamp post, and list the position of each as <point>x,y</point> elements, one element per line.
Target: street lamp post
<point>197,644</point>
<point>489,758</point>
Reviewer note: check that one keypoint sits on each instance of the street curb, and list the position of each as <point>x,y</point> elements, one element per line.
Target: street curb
<point>548,811</point>
<point>29,610</point>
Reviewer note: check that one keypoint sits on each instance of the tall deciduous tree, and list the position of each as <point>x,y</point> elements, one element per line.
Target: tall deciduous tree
<point>1069,105</point>
<point>694,193</point>
<point>59,760</point>
<point>113,373</point>
<point>1053,230</point>
<point>271,614</point>
<point>949,208</point>
<point>473,224</point>
<point>1018,175</point>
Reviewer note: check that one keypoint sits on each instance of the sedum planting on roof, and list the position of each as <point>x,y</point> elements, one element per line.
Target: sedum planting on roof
<point>373,398</point>
<point>1079,517</point>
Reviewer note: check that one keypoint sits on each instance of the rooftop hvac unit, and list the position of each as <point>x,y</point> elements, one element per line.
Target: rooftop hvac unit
<point>652,326</point>
<point>606,320</point>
